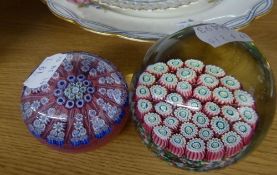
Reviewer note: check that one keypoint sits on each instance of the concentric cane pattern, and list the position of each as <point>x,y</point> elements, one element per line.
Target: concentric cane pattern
<point>84,101</point>
<point>202,115</point>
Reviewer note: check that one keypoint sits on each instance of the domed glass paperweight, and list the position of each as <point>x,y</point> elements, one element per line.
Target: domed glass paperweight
<point>81,107</point>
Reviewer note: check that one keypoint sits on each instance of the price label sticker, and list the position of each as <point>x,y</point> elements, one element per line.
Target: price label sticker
<point>218,35</point>
<point>45,71</point>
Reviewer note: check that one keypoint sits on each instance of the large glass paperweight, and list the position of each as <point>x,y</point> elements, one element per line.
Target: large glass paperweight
<point>200,107</point>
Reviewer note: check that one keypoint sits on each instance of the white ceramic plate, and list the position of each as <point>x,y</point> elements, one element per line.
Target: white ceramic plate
<point>154,25</point>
